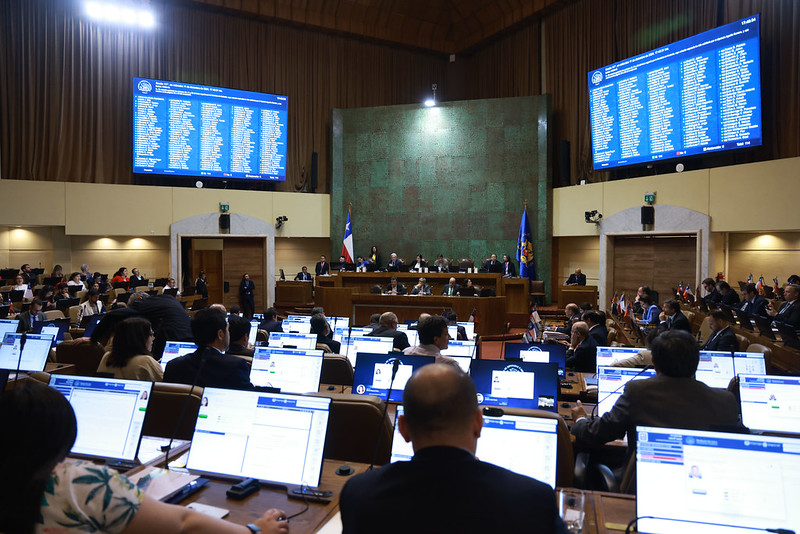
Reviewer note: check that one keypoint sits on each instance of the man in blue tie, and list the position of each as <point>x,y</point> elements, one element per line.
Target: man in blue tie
<point>753,304</point>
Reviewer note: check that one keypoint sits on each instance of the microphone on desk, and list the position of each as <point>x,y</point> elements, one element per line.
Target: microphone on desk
<point>395,367</point>
<point>166,448</point>
<point>634,377</point>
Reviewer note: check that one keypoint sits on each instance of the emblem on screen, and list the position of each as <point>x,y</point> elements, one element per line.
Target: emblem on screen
<point>597,77</point>
<point>144,86</point>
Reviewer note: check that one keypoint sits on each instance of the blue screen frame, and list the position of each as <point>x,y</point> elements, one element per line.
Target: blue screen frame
<point>365,367</point>
<point>545,386</point>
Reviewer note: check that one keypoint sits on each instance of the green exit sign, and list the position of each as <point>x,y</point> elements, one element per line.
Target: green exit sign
<point>650,197</point>
<point>224,207</point>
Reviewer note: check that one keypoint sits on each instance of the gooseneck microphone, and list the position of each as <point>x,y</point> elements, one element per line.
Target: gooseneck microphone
<point>395,367</point>
<point>634,377</point>
<point>166,448</point>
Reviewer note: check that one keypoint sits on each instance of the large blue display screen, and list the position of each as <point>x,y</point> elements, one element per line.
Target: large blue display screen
<point>197,130</point>
<point>695,96</point>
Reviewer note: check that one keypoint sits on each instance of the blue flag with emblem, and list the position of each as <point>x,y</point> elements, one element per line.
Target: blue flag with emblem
<point>527,268</point>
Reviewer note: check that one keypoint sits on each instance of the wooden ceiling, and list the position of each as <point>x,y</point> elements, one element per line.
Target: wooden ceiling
<point>447,26</point>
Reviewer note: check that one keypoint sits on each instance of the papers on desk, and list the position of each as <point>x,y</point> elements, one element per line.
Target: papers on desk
<point>333,526</point>
<point>161,484</point>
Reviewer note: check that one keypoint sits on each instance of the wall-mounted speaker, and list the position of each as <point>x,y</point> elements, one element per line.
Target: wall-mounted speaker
<point>648,215</point>
<point>314,167</point>
<point>563,164</point>
<point>225,221</point>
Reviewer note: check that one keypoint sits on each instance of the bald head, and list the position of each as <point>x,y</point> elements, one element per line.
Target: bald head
<point>388,319</point>
<point>580,328</point>
<point>422,316</point>
<point>441,408</point>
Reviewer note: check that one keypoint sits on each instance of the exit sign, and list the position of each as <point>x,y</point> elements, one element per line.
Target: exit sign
<point>224,207</point>
<point>649,197</point>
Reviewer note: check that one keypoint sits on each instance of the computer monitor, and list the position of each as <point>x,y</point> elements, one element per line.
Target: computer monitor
<point>538,353</point>
<point>770,403</point>
<point>516,384</point>
<point>469,326</point>
<point>691,481</point>
<point>336,322</point>
<point>251,337</point>
<point>176,349</point>
<point>749,363</point>
<point>268,436</point>
<point>369,344</point>
<point>611,384</point>
<point>54,327</point>
<point>290,340</point>
<point>411,334</point>
<point>298,324</point>
<point>91,324</point>
<point>373,373</point>
<point>715,368</point>
<point>8,325</point>
<point>34,353</point>
<point>453,331</point>
<point>460,348</point>
<point>537,436</point>
<point>291,370</point>
<point>608,355</point>
<point>110,414</point>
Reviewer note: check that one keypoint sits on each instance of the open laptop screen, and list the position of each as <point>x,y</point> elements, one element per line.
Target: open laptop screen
<point>611,384</point>
<point>770,403</point>
<point>291,370</point>
<point>460,348</point>
<point>34,353</point>
<point>516,384</point>
<point>696,481</point>
<point>537,436</point>
<point>54,327</point>
<point>268,436</point>
<point>608,355</point>
<point>715,368</point>
<point>373,373</point>
<point>538,353</point>
<point>373,345</point>
<point>91,324</point>
<point>175,349</point>
<point>292,340</point>
<point>749,363</point>
<point>110,414</point>
<point>299,324</point>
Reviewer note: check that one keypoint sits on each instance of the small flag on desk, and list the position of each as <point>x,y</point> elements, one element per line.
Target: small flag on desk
<point>760,284</point>
<point>525,249</point>
<point>750,278</point>
<point>775,286</point>
<point>347,242</point>
<point>614,304</point>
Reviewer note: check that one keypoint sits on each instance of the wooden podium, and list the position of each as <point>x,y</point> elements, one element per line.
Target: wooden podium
<point>293,293</point>
<point>577,294</point>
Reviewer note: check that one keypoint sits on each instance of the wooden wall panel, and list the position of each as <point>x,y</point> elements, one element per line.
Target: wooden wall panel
<point>244,255</point>
<point>657,261</point>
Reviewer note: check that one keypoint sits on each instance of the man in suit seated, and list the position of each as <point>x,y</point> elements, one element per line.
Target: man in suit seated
<point>452,320</point>
<point>303,275</point>
<point>712,295</point>
<point>672,398</point>
<point>441,265</point>
<point>422,288</point>
<point>729,296</point>
<point>270,322</point>
<point>395,288</point>
<point>722,336</point>
<point>344,265</point>
<point>573,313</point>
<point>444,488</point>
<point>320,326</point>
<point>394,263</point>
<point>597,330</point>
<point>582,351</point>
<point>753,303</point>
<point>387,327</point>
<point>451,289</point>
<point>491,263</point>
<point>576,279</point>
<point>239,328</point>
<point>209,366</point>
<point>29,318</point>
<point>789,312</point>
<point>433,339</point>
<point>322,267</point>
<point>672,318</point>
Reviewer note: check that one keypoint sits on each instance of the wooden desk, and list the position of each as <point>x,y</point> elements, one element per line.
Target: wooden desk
<point>251,508</point>
<point>577,294</point>
<point>362,282</point>
<point>607,512</point>
<point>293,293</point>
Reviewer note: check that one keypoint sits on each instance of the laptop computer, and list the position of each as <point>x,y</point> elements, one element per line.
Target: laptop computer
<point>716,482</point>
<point>175,349</point>
<point>91,324</point>
<point>516,384</point>
<point>370,344</point>
<point>65,304</point>
<point>373,373</point>
<point>299,324</point>
<point>34,353</point>
<point>110,414</point>
<point>290,370</point>
<point>538,353</point>
<point>8,325</point>
<point>611,384</point>
<point>55,327</point>
<point>272,437</point>
<point>770,403</point>
<point>537,436</point>
<point>749,363</point>
<point>292,341</point>
<point>715,368</point>
<point>608,355</point>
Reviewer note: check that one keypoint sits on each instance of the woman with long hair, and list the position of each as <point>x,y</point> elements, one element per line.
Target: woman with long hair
<point>131,353</point>
<point>41,492</point>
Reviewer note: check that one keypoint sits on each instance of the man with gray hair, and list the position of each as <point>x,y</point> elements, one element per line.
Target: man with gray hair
<point>444,488</point>
<point>394,263</point>
<point>387,327</point>
<point>582,352</point>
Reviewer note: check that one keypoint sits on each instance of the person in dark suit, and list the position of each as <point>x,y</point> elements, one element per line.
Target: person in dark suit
<point>320,326</point>
<point>712,295</point>
<point>303,275</point>
<point>573,313</point>
<point>672,318</point>
<point>395,288</point>
<point>247,293</point>
<point>27,275</point>
<point>576,279</point>
<point>344,265</point>
<point>789,312</point>
<point>452,320</point>
<point>270,322</point>
<point>582,351</point>
<point>597,330</point>
<point>491,262</point>
<point>387,327</point>
<point>445,486</point>
<point>753,303</point>
<point>322,267</point>
<point>451,289</point>
<point>722,336</point>
<point>209,366</point>
<point>422,288</point>
<point>34,315</point>
<point>394,263</point>
<point>729,296</point>
<point>420,264</point>
<point>201,285</point>
<point>239,329</point>
<point>508,267</point>
<point>672,398</point>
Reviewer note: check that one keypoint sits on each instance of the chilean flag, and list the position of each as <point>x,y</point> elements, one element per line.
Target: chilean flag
<point>347,242</point>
